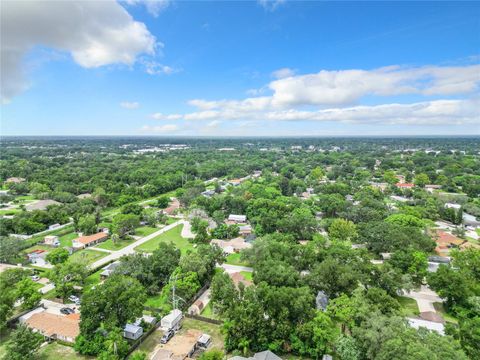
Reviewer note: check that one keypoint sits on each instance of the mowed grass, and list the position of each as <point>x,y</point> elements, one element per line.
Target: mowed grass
<point>235,259</point>
<point>87,256</point>
<point>441,310</point>
<point>409,306</point>
<point>66,240</point>
<point>208,312</point>
<point>121,243</point>
<point>93,279</point>
<point>172,235</point>
<point>54,351</point>
<point>145,230</point>
<point>247,275</point>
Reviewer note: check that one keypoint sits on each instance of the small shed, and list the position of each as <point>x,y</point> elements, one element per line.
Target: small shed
<point>132,332</point>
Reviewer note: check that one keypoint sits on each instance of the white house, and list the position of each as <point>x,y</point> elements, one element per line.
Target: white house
<point>132,331</point>
<point>51,240</point>
<point>237,218</point>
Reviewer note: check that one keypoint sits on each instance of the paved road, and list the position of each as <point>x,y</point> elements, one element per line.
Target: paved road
<point>235,268</point>
<point>130,249</point>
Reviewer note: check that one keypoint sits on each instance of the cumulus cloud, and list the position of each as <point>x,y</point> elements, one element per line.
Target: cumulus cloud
<point>130,105</point>
<point>160,116</point>
<point>270,5</point>
<point>155,68</point>
<point>94,33</point>
<point>283,73</point>
<point>435,112</point>
<point>167,128</point>
<point>154,7</point>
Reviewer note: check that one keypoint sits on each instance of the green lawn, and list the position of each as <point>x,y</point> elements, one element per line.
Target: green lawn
<point>145,230</point>
<point>93,279</point>
<point>441,310</point>
<point>208,312</point>
<point>109,245</point>
<point>54,351</point>
<point>66,240</point>
<point>235,259</point>
<point>9,212</point>
<point>409,306</point>
<point>172,235</point>
<point>158,301</point>
<point>247,275</point>
<point>38,247</point>
<point>87,256</point>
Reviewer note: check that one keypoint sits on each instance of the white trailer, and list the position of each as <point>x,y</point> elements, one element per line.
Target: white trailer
<point>172,321</point>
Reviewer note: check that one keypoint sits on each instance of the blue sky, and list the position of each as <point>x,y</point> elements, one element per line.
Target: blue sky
<point>241,68</point>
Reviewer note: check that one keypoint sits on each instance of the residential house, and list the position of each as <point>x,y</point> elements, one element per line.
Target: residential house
<point>445,242</point>
<point>399,198</point>
<point>453,206</point>
<point>147,319</point>
<point>430,188</point>
<point>132,332</point>
<point>245,230</point>
<point>51,240</point>
<point>381,186</point>
<point>89,240</point>
<point>16,180</point>
<point>264,355</point>
<point>54,226</point>
<point>55,327</point>
<point>108,270</point>
<point>404,185</point>
<point>37,257</point>
<point>470,221</point>
<point>230,246</point>
<point>237,219</point>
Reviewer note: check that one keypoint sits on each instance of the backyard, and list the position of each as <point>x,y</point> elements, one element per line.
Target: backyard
<point>110,245</point>
<point>235,259</point>
<point>87,256</point>
<point>172,235</point>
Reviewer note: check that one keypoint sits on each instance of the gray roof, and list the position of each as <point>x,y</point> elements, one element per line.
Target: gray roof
<point>321,301</point>
<point>266,355</point>
<point>131,328</point>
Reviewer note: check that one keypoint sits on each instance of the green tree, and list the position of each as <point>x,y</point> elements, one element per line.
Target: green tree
<point>421,180</point>
<point>124,224</point>
<point>342,230</point>
<point>57,256</point>
<point>23,344</point>
<point>28,293</point>
<point>163,202</point>
<point>67,275</point>
<point>316,337</point>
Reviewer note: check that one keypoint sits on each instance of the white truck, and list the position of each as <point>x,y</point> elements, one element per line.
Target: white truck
<point>172,321</point>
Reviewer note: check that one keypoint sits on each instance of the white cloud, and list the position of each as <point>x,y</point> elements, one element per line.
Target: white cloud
<point>270,5</point>
<point>167,128</point>
<point>155,68</point>
<point>436,112</point>
<point>95,33</point>
<point>160,116</point>
<point>214,124</point>
<point>154,7</point>
<point>283,73</point>
<point>130,105</point>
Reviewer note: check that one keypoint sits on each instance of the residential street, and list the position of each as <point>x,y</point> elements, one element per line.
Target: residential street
<point>130,249</point>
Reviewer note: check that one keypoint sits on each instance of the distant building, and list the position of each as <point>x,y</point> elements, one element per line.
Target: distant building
<point>15,180</point>
<point>264,355</point>
<point>453,206</point>
<point>51,240</point>
<point>430,325</point>
<point>54,226</point>
<point>108,270</point>
<point>89,240</point>
<point>237,218</point>
<point>404,185</point>
<point>321,301</point>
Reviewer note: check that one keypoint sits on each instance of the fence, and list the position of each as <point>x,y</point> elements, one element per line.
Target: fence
<point>204,319</point>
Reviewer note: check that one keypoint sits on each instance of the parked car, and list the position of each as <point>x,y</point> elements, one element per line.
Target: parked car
<point>35,277</point>
<point>67,311</point>
<point>74,299</point>
<point>167,336</point>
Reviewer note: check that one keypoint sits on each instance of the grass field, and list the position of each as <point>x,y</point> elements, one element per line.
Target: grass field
<point>66,240</point>
<point>441,310</point>
<point>54,351</point>
<point>172,235</point>
<point>93,279</point>
<point>235,259</point>
<point>109,245</point>
<point>409,306</point>
<point>208,312</point>
<point>87,256</point>
<point>247,275</point>
<point>9,212</point>
<point>145,230</point>
<point>157,301</point>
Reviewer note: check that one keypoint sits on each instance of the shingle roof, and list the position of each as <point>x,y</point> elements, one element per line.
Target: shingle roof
<point>91,238</point>
<point>51,324</point>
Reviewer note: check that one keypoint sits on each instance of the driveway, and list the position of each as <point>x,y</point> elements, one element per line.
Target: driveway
<point>130,249</point>
<point>187,231</point>
<point>425,297</point>
<point>235,268</point>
